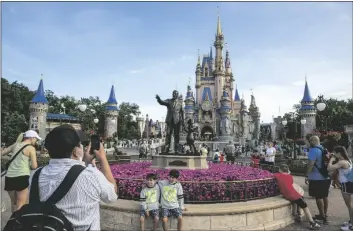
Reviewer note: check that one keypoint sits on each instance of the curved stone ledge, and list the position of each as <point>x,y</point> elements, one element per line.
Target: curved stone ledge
<point>265,214</point>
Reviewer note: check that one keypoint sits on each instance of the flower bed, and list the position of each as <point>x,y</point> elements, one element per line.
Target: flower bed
<point>219,183</point>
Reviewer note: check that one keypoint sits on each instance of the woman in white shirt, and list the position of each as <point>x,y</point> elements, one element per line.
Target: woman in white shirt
<point>270,154</point>
<point>344,166</point>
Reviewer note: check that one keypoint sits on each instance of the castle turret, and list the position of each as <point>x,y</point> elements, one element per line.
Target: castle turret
<point>225,113</point>
<point>308,111</point>
<point>111,115</point>
<point>189,104</point>
<point>255,114</point>
<point>38,111</point>
<point>219,64</point>
<point>198,77</point>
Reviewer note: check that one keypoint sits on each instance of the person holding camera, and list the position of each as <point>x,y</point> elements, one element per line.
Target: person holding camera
<point>344,166</point>
<point>65,182</point>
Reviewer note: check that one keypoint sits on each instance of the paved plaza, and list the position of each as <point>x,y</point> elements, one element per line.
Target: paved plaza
<point>337,209</point>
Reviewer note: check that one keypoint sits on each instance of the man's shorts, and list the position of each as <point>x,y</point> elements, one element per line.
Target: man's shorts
<point>153,213</point>
<point>300,202</point>
<point>176,212</point>
<point>319,188</point>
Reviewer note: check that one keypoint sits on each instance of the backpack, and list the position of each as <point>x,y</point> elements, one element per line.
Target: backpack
<point>7,165</point>
<point>38,215</point>
<point>216,157</point>
<point>324,161</point>
<point>349,175</point>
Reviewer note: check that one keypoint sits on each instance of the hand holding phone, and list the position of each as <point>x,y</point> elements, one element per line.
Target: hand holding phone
<point>95,144</point>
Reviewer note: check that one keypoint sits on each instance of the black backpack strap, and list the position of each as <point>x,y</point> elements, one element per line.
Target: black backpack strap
<point>66,184</point>
<point>14,156</point>
<point>34,193</point>
<point>160,194</point>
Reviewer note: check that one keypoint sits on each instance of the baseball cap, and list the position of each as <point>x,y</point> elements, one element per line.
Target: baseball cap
<point>31,134</point>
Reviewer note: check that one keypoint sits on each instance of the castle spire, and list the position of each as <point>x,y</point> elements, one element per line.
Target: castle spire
<point>236,95</point>
<point>39,97</point>
<point>307,96</point>
<point>219,28</point>
<point>227,61</point>
<point>112,99</point>
<point>211,53</point>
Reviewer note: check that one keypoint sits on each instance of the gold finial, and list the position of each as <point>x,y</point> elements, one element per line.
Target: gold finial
<point>306,78</point>
<point>189,81</point>
<point>226,45</point>
<point>252,92</point>
<point>219,29</point>
<point>198,57</point>
<point>41,76</point>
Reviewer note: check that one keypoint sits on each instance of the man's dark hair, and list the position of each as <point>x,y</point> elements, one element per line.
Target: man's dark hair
<point>61,141</point>
<point>174,173</point>
<point>151,176</point>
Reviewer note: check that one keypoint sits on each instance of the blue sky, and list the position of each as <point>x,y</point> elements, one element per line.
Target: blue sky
<point>82,48</point>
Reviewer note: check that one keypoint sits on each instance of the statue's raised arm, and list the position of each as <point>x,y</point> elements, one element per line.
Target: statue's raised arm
<point>161,102</point>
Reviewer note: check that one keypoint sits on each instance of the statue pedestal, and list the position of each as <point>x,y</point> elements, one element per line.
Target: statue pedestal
<point>179,162</point>
<point>226,138</point>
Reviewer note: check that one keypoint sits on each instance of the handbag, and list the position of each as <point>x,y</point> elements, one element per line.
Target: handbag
<point>7,165</point>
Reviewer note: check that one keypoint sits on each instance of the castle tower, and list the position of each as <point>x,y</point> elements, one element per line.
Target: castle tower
<point>219,64</point>
<point>308,111</point>
<point>236,102</point>
<point>198,78</point>
<point>38,111</point>
<point>225,113</point>
<point>228,76</point>
<point>189,105</point>
<point>255,114</point>
<point>111,115</point>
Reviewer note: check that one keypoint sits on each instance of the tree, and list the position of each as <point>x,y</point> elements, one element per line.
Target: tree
<point>127,128</point>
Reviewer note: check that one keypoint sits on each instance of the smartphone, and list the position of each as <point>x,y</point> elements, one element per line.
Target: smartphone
<point>95,143</point>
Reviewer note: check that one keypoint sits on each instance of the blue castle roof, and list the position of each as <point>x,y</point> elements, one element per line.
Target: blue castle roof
<point>112,99</point>
<point>307,97</point>
<point>112,104</point>
<point>39,97</point>
<point>236,96</point>
<point>54,116</point>
<point>206,94</point>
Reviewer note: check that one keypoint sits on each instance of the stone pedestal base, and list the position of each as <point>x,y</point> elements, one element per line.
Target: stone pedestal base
<point>225,138</point>
<point>179,162</point>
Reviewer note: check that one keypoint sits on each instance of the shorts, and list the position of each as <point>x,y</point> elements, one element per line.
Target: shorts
<point>319,188</point>
<point>300,202</point>
<point>176,212</point>
<point>153,213</point>
<point>347,187</point>
<point>17,184</point>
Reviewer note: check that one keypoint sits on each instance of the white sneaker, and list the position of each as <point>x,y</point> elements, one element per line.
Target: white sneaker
<point>347,228</point>
<point>346,223</point>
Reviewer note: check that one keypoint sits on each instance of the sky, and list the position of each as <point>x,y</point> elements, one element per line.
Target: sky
<point>149,48</point>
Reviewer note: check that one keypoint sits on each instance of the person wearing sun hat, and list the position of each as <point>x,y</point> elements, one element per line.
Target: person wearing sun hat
<point>19,170</point>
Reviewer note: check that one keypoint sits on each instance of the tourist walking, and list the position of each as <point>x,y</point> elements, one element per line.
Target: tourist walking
<point>317,178</point>
<point>23,160</point>
<point>344,166</point>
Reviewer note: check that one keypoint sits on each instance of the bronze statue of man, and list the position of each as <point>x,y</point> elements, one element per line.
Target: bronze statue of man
<point>174,119</point>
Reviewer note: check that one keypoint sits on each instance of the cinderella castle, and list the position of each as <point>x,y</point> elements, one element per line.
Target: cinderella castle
<point>217,108</point>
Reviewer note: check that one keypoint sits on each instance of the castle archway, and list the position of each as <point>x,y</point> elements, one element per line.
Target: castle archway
<point>207,132</point>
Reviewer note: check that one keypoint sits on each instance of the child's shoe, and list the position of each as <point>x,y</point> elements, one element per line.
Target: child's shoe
<point>314,225</point>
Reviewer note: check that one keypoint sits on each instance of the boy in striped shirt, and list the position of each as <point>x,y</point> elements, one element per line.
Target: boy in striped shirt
<point>149,198</point>
<point>172,200</point>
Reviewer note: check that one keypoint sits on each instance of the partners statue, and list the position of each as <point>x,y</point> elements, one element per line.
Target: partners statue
<point>174,119</point>
<point>190,140</point>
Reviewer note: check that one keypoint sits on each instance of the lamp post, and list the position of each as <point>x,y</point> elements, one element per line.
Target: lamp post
<point>83,108</point>
<point>321,107</point>
<point>62,111</point>
<point>302,122</point>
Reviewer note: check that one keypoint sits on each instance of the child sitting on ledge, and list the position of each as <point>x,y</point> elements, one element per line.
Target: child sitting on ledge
<point>285,184</point>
